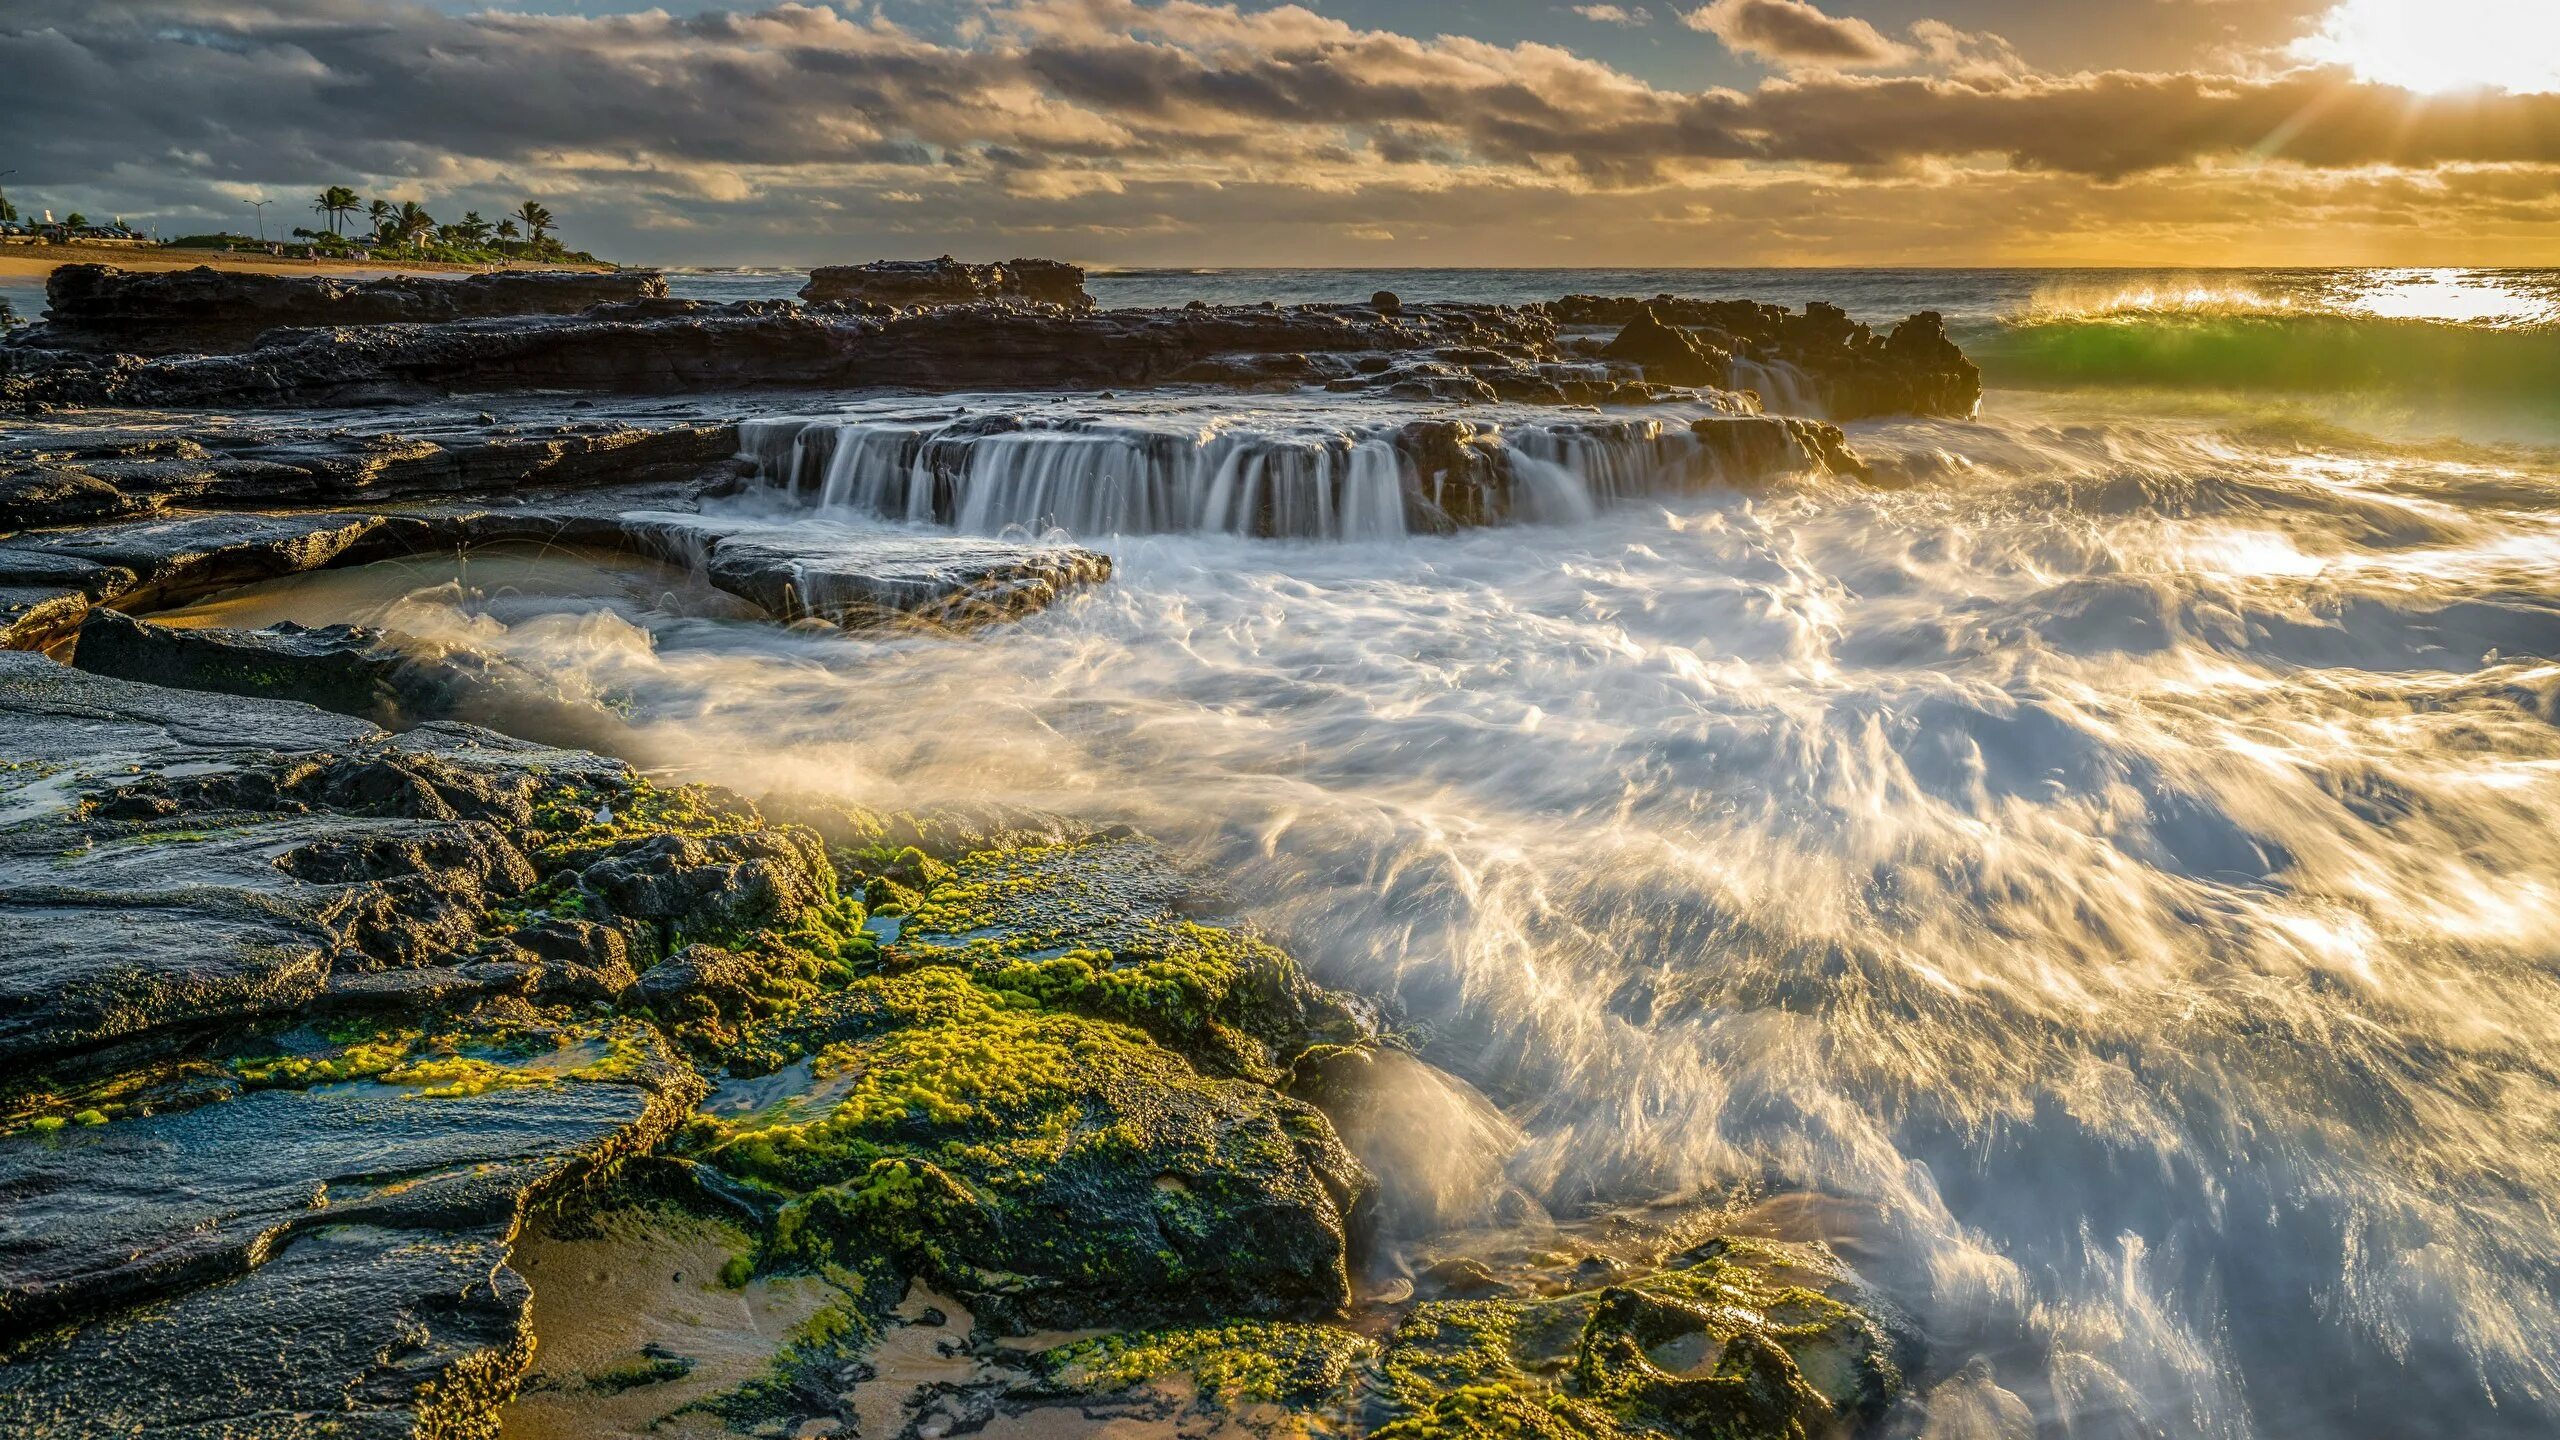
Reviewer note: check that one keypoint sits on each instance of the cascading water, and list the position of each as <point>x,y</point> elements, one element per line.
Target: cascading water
<point>1187,465</point>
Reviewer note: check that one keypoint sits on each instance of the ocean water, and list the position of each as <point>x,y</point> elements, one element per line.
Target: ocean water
<point>2102,875</point>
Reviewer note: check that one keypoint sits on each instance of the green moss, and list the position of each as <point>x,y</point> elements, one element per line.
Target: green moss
<point>89,1117</point>
<point>455,1065</point>
<point>1737,1345</point>
<point>1500,1412</point>
<point>568,817</point>
<point>737,1270</point>
<point>940,1056</point>
<point>46,1124</point>
<point>1252,1361</point>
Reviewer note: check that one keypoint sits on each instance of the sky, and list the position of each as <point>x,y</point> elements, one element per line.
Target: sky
<point>1328,132</point>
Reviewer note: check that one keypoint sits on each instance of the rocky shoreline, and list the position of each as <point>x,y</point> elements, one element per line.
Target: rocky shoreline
<point>329,1016</point>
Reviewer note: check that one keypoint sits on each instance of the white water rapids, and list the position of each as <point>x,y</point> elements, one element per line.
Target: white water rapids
<point>2114,859</point>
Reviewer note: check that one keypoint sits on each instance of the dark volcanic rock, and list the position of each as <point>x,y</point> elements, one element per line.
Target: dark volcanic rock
<point>102,308</point>
<point>294,1261</point>
<point>681,347</point>
<point>1852,371</point>
<point>62,476</point>
<point>292,845</point>
<point>790,571</point>
<point>1667,353</point>
<point>390,679</point>
<point>949,282</point>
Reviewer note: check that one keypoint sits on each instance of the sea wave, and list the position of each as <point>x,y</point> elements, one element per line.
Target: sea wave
<point>2477,343</point>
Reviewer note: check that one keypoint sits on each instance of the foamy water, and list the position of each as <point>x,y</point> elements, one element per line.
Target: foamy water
<point>2112,860</point>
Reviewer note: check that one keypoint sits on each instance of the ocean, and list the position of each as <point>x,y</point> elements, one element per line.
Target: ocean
<point>2099,873</point>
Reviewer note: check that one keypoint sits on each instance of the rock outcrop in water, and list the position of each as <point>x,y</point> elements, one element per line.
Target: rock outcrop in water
<point>1850,371</point>
<point>949,282</point>
<point>106,309</point>
<point>987,472</point>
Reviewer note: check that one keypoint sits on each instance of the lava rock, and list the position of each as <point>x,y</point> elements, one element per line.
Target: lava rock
<point>1668,353</point>
<point>949,282</point>
<point>101,307</point>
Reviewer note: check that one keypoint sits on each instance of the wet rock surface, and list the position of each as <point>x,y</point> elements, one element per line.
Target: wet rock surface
<point>130,465</point>
<point>103,308</point>
<point>393,680</point>
<point>50,580</point>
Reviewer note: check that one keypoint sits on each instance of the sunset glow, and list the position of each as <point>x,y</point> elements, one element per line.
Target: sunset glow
<point>2442,46</point>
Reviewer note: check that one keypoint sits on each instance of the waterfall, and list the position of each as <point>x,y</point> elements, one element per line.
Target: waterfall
<point>1315,477</point>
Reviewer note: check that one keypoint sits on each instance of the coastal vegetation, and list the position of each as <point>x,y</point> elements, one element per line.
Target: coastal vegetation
<point>353,227</point>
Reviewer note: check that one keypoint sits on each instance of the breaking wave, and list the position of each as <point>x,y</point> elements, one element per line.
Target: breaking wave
<point>2472,343</point>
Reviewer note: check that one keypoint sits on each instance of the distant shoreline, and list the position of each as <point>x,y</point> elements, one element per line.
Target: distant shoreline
<point>35,262</point>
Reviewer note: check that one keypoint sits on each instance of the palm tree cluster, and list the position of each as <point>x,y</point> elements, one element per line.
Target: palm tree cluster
<point>528,227</point>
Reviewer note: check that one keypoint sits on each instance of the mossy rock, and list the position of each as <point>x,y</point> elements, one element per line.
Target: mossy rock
<point>1103,926</point>
<point>1308,1368</point>
<point>1048,1167</point>
<point>1749,1340</point>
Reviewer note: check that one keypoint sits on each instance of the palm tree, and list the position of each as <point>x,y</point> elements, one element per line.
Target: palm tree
<point>412,222</point>
<point>379,212</point>
<point>337,202</point>
<point>470,229</point>
<point>506,229</point>
<point>536,217</point>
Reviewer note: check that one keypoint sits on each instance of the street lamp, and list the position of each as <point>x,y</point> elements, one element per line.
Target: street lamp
<point>261,207</point>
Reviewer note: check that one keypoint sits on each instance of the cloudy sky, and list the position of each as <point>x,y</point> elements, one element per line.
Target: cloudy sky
<point>1460,132</point>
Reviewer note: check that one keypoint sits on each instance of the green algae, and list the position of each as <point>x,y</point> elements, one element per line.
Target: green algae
<point>1245,1362</point>
<point>1732,1345</point>
<point>973,1135</point>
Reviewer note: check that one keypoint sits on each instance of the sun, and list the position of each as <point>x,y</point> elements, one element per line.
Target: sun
<point>2435,46</point>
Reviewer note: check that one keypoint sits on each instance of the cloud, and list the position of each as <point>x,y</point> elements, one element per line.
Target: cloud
<point>1796,34</point>
<point>1966,54</point>
<point>1121,124</point>
<point>1615,14</point>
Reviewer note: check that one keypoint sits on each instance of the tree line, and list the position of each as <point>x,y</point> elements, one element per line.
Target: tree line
<point>527,228</point>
